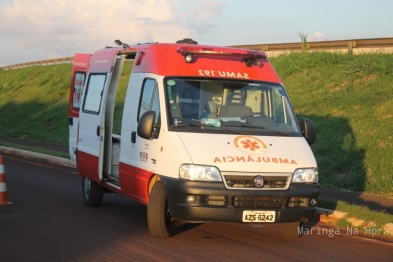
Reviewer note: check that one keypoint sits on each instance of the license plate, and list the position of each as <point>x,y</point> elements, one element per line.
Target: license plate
<point>258,216</point>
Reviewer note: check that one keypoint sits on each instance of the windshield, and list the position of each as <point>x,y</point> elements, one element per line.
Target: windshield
<point>220,106</point>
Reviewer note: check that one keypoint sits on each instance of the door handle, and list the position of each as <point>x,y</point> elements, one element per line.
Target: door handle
<point>133,137</point>
<point>98,130</point>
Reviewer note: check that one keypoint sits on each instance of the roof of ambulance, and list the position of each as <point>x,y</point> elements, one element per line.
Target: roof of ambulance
<point>168,59</point>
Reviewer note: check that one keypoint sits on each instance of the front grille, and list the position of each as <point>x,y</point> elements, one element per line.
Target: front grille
<point>262,202</point>
<point>270,182</point>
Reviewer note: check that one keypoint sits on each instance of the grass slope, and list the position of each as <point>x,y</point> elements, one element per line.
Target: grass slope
<point>346,96</point>
<point>33,102</point>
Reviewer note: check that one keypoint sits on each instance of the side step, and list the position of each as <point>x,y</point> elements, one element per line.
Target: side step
<point>111,180</point>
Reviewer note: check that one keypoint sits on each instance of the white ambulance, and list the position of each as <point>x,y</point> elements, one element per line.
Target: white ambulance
<point>207,134</point>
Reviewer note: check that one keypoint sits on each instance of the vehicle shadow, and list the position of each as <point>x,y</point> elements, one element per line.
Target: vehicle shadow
<point>182,227</point>
<point>340,160</point>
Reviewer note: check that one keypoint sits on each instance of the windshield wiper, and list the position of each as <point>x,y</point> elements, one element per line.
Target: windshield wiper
<point>262,127</point>
<point>202,125</point>
<point>257,127</point>
<point>184,125</point>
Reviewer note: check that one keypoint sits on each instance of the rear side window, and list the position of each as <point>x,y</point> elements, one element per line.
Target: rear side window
<point>94,92</point>
<point>79,82</point>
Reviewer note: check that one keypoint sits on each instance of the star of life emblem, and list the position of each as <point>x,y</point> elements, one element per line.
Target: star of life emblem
<point>250,145</point>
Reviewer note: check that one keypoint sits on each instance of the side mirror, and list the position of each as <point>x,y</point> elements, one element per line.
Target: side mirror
<point>308,130</point>
<point>146,125</point>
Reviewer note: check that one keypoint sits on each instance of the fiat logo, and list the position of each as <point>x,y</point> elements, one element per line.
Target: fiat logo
<point>258,181</point>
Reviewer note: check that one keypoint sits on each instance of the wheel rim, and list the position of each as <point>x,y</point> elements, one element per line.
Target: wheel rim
<point>87,187</point>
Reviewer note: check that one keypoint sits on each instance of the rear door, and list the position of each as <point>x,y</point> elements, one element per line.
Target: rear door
<point>103,76</point>
<point>79,72</point>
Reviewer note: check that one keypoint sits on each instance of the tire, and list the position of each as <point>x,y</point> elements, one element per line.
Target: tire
<point>292,229</point>
<point>159,219</point>
<point>92,192</point>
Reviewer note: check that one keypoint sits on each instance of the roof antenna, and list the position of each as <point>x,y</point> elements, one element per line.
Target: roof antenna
<point>120,43</point>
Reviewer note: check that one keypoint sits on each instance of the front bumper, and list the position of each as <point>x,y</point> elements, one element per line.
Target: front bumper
<point>212,201</point>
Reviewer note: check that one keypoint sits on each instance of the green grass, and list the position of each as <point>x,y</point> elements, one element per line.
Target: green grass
<point>348,97</point>
<point>34,102</point>
<point>120,96</point>
<point>372,220</point>
<point>35,149</point>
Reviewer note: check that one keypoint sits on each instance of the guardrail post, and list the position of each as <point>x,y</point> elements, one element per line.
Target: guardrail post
<point>351,45</point>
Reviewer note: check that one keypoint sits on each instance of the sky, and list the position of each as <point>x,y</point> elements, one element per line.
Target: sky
<point>33,30</point>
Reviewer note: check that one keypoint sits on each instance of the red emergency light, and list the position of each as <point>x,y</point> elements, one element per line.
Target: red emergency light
<point>250,57</point>
<point>138,58</point>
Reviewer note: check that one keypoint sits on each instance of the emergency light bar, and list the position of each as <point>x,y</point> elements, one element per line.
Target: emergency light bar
<point>249,57</point>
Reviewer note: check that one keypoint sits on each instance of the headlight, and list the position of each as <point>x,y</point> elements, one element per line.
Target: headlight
<point>200,173</point>
<point>305,175</point>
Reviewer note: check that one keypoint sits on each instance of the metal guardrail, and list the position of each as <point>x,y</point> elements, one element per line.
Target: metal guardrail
<point>350,45</point>
<point>324,45</point>
<point>42,62</point>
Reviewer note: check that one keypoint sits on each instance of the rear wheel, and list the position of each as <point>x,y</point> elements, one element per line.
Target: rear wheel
<point>159,219</point>
<point>92,192</point>
<point>292,229</point>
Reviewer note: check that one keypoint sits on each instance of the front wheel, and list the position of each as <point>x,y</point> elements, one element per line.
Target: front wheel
<point>159,219</point>
<point>292,229</point>
<point>92,192</point>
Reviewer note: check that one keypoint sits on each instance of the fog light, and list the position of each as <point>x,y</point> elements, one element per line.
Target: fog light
<point>188,58</point>
<point>191,199</point>
<point>313,202</point>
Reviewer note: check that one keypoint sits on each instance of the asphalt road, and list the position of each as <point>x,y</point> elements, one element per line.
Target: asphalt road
<point>377,203</point>
<point>49,222</point>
